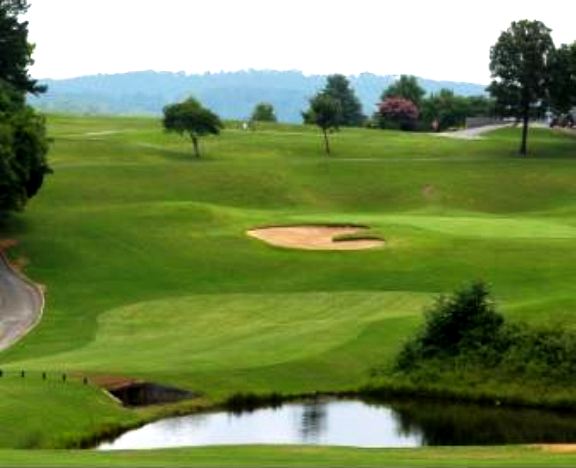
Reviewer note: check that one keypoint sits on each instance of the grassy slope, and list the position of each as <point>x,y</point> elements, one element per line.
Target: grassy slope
<point>47,413</point>
<point>131,237</point>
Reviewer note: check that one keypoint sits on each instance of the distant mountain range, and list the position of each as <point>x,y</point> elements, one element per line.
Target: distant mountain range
<point>232,95</point>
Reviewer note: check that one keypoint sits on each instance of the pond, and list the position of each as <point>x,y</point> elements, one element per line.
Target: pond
<point>356,423</point>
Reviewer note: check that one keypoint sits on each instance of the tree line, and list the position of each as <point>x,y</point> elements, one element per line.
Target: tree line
<point>530,76</point>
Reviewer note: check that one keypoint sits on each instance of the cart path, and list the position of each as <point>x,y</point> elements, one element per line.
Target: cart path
<point>473,133</point>
<point>21,304</point>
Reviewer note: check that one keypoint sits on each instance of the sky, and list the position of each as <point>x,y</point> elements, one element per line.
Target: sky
<point>435,39</point>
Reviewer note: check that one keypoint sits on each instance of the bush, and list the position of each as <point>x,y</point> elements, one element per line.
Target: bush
<point>464,331</point>
<point>398,113</point>
<point>466,320</point>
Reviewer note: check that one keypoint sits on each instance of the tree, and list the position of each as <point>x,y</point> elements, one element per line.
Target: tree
<point>326,112</point>
<point>338,87</point>
<point>23,141</point>
<point>563,79</point>
<point>15,50</point>
<point>446,109</point>
<point>463,321</point>
<point>480,106</point>
<point>402,113</point>
<point>405,87</point>
<point>263,112</point>
<point>191,118</point>
<point>519,63</point>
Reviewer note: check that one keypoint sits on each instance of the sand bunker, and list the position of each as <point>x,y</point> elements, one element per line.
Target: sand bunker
<point>315,237</point>
<point>558,448</point>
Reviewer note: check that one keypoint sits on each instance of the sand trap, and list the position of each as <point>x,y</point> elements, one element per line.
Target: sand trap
<point>315,237</point>
<point>558,448</point>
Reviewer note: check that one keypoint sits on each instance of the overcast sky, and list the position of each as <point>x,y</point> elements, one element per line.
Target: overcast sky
<point>438,39</point>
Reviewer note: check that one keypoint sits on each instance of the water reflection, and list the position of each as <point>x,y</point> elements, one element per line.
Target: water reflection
<point>313,421</point>
<point>457,424</point>
<point>356,423</point>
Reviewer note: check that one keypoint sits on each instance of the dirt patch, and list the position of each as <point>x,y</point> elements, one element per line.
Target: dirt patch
<point>430,193</point>
<point>317,237</point>
<point>6,244</point>
<point>20,264</point>
<point>110,382</point>
<point>559,448</point>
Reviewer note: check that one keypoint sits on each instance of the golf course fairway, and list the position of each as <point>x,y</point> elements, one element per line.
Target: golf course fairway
<point>149,275</point>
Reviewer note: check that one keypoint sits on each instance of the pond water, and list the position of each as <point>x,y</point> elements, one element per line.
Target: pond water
<point>356,423</point>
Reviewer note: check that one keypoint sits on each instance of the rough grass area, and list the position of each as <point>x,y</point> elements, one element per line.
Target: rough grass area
<point>149,273</point>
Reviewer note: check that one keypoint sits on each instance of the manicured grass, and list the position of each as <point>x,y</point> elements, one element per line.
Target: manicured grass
<point>149,273</point>
<point>298,456</point>
<point>194,341</point>
<point>51,413</point>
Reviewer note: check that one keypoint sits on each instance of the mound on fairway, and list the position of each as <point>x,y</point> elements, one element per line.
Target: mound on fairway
<point>317,237</point>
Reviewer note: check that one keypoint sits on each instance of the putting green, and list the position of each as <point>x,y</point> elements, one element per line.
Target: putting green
<point>229,331</point>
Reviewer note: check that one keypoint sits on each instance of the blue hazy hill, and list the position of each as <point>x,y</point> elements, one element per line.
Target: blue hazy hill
<point>232,95</point>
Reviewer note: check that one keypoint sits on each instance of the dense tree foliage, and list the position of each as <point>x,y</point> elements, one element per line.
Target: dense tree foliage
<point>519,63</point>
<point>463,320</point>
<point>263,112</point>
<point>563,79</point>
<point>404,105</point>
<point>445,110</point>
<point>23,142</point>
<point>350,110</point>
<point>405,87</point>
<point>338,87</point>
<point>190,117</point>
<point>326,112</point>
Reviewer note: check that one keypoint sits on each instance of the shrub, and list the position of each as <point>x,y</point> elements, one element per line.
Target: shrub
<point>464,331</point>
<point>400,112</point>
<point>465,320</point>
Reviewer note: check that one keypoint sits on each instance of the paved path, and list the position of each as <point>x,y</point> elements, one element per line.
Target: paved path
<point>21,305</point>
<point>473,133</point>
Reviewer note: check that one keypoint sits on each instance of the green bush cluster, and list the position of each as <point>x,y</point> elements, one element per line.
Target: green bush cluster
<point>465,331</point>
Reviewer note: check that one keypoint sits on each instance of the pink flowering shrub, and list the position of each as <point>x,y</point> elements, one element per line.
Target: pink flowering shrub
<point>399,110</point>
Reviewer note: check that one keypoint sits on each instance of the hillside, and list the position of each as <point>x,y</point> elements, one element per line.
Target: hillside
<point>233,95</point>
<point>149,273</point>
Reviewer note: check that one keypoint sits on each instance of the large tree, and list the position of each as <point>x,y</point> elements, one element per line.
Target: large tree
<point>519,63</point>
<point>447,109</point>
<point>406,87</point>
<point>23,142</point>
<point>326,113</point>
<point>191,118</point>
<point>563,79</point>
<point>338,87</point>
